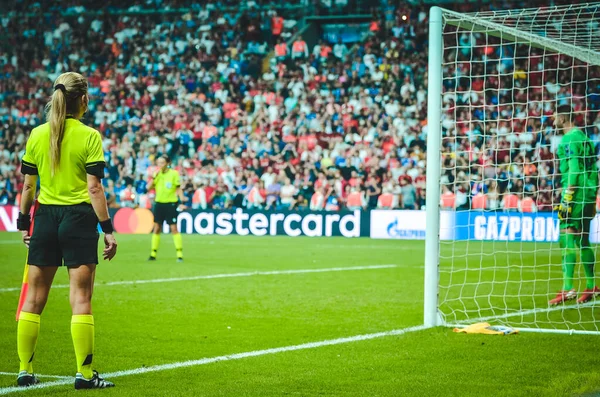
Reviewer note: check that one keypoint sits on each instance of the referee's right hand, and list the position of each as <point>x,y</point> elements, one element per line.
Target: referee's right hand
<point>110,246</point>
<point>26,237</point>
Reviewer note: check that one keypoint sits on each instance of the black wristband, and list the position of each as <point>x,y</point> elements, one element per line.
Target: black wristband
<point>107,226</point>
<point>23,222</point>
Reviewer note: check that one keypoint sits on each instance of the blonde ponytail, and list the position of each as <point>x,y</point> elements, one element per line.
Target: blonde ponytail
<point>56,117</point>
<point>69,89</point>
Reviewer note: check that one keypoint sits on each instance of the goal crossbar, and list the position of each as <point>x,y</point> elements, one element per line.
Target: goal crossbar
<point>471,22</point>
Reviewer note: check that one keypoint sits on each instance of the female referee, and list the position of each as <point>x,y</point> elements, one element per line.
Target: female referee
<point>67,157</point>
<point>168,191</point>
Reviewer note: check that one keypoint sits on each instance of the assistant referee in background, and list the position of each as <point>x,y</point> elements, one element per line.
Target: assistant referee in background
<point>67,157</point>
<point>167,184</point>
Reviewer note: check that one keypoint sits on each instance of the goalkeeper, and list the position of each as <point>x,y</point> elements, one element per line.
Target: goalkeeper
<point>577,158</point>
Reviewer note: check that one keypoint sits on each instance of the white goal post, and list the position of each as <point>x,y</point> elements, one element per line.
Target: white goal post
<point>495,79</point>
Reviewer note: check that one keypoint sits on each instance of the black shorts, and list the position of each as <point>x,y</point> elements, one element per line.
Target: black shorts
<point>66,233</point>
<point>165,212</point>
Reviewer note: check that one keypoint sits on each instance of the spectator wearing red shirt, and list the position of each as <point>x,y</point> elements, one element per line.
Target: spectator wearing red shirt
<point>208,131</point>
<point>299,49</point>
<point>277,25</point>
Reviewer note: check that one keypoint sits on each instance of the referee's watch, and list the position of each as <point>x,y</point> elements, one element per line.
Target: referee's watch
<point>23,221</point>
<point>107,226</point>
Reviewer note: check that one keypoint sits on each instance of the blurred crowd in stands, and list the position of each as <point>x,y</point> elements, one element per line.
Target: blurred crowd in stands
<point>253,116</point>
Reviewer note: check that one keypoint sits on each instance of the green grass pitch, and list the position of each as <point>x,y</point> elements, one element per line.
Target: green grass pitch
<point>149,324</point>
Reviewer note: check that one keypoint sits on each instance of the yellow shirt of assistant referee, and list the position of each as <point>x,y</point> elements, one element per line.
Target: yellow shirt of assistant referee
<point>166,184</point>
<point>81,154</point>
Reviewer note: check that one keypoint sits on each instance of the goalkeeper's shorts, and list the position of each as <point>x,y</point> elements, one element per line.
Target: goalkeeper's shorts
<point>580,218</point>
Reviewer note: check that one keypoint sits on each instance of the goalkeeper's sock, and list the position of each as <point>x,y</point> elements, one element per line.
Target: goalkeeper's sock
<point>588,260</point>
<point>28,330</point>
<point>82,331</point>
<point>155,243</point>
<point>178,241</point>
<point>569,257</point>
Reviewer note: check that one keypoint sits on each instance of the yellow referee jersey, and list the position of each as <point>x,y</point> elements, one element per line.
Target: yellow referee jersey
<point>81,154</point>
<point>166,184</point>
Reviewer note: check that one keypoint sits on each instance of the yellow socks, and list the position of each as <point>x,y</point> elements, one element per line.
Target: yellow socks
<point>82,331</point>
<point>178,241</point>
<point>155,243</point>
<point>28,330</point>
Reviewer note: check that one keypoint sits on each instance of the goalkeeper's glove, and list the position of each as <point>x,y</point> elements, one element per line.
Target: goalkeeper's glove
<point>566,206</point>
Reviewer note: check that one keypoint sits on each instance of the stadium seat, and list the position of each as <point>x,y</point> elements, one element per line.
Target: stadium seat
<point>479,202</point>
<point>510,202</point>
<point>448,200</point>
<point>527,205</point>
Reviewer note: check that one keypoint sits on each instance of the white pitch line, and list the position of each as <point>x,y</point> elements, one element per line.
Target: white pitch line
<point>223,275</point>
<point>513,269</point>
<point>40,376</point>
<point>229,357</point>
<point>534,311</point>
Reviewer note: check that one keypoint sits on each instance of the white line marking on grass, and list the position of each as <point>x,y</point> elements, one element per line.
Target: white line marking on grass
<point>532,311</point>
<point>313,246</point>
<point>229,357</point>
<point>40,376</point>
<point>224,275</point>
<point>444,269</point>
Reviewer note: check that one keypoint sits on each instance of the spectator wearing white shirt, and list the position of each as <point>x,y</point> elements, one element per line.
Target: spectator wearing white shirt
<point>340,50</point>
<point>268,177</point>
<point>287,193</point>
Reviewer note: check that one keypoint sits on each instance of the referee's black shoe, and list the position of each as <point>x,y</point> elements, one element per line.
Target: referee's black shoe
<point>152,258</point>
<point>25,379</point>
<point>95,383</point>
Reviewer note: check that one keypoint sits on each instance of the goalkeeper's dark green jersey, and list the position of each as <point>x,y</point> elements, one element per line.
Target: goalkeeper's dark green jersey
<point>577,156</point>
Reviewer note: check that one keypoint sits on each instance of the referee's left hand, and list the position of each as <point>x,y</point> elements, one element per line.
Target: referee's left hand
<point>110,249</point>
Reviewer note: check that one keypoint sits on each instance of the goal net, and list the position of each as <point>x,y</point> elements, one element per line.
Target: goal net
<point>495,81</point>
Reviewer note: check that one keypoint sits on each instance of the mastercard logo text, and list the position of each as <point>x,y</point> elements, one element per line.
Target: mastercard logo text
<point>136,221</point>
